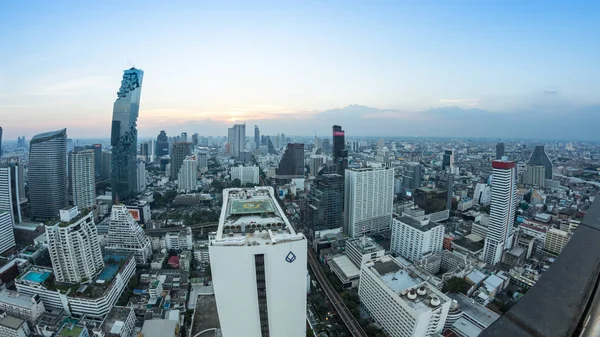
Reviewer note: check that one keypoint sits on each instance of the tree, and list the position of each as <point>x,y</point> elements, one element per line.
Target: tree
<point>236,183</point>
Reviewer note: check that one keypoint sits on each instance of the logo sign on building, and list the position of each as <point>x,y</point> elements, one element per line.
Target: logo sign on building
<point>338,133</point>
<point>291,257</point>
<point>135,213</point>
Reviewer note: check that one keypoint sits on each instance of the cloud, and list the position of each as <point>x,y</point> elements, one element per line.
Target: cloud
<point>470,102</point>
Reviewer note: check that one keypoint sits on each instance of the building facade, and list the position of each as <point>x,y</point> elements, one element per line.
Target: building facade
<point>187,178</point>
<point>412,239</point>
<point>179,152</point>
<point>368,200</point>
<point>7,236</point>
<point>292,161</point>
<point>162,144</point>
<point>47,174</point>
<point>540,158</point>
<point>237,139</point>
<point>124,234</point>
<point>124,135</point>
<point>83,178</point>
<point>245,174</point>
<point>27,307</point>
<point>265,251</point>
<point>324,207</point>
<point>502,212</point>
<point>74,247</point>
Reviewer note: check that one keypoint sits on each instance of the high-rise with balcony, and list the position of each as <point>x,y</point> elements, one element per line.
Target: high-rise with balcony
<point>368,200</point>
<point>47,178</point>
<point>124,234</point>
<point>187,179</point>
<point>83,183</point>
<point>74,247</point>
<point>502,211</point>
<point>124,134</point>
<point>255,242</point>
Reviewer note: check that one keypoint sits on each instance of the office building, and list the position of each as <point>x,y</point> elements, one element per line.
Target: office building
<point>411,179</point>
<point>179,151</point>
<point>257,136</point>
<point>401,302</point>
<point>83,178</point>
<point>499,151</point>
<point>106,165</point>
<point>324,207</point>
<point>362,250</point>
<point>124,135</point>
<point>12,190</point>
<point>7,236</point>
<point>74,247</point>
<point>315,163</point>
<point>292,161</point>
<point>124,234</point>
<point>431,200</point>
<point>368,200</point>
<point>97,148</point>
<point>502,211</point>
<point>256,242</point>
<point>445,181</point>
<point>162,144</point>
<point>448,159</point>
<point>340,154</point>
<point>237,139</point>
<point>245,174</point>
<point>540,158</point>
<point>412,239</point>
<point>145,151</point>
<point>556,240</point>
<point>187,179</point>
<point>179,240</point>
<point>47,174</point>
<point>141,176</point>
<point>22,306</point>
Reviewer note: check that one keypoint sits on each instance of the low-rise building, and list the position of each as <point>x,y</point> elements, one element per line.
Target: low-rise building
<point>201,252</point>
<point>363,249</point>
<point>27,307</point>
<point>179,240</point>
<point>13,327</point>
<point>412,238</point>
<point>73,330</point>
<point>160,328</point>
<point>119,322</point>
<point>556,240</point>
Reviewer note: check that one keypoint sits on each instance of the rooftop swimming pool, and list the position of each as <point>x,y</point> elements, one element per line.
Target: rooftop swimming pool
<point>36,276</point>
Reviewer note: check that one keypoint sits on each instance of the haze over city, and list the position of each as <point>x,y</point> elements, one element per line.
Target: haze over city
<point>388,69</point>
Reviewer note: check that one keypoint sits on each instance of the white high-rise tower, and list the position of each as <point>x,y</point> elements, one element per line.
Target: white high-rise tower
<point>258,265</point>
<point>368,200</point>
<point>124,234</point>
<point>502,211</point>
<point>74,247</point>
<point>83,183</point>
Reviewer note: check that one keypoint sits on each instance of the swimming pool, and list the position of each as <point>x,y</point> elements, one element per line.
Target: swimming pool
<point>109,271</point>
<point>36,276</point>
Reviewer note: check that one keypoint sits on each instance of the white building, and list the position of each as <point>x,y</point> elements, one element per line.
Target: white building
<point>412,239</point>
<point>255,242</point>
<point>180,240</point>
<point>22,306</point>
<point>124,234</point>
<point>246,174</point>
<point>316,161</point>
<point>237,140</point>
<point>6,193</point>
<point>369,198</point>
<point>74,247</point>
<point>502,212</point>
<point>401,302</point>
<point>187,179</point>
<point>556,240</point>
<point>482,194</point>
<point>201,254</point>
<point>363,249</point>
<point>7,235</point>
<point>141,176</point>
<point>83,178</point>
<point>14,327</point>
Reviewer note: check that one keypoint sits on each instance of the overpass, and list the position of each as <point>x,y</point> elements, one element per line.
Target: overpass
<point>351,324</point>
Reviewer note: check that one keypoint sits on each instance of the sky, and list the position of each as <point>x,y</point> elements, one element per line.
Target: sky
<point>378,68</point>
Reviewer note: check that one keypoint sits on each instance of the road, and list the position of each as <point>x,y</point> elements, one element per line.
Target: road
<point>351,324</point>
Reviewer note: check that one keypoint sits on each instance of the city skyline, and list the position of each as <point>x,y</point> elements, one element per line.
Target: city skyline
<point>432,70</point>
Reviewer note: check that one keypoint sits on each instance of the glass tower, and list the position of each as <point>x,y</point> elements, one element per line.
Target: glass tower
<point>124,134</point>
<point>48,174</point>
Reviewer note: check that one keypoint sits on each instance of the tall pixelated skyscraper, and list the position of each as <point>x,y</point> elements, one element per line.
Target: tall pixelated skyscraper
<point>256,136</point>
<point>47,178</point>
<point>499,151</point>
<point>340,154</point>
<point>124,134</point>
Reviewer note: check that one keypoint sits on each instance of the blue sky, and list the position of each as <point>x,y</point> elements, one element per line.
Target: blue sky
<point>282,64</point>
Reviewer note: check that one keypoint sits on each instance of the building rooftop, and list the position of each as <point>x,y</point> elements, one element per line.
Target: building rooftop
<point>346,266</point>
<point>364,245</point>
<point>70,330</point>
<point>42,137</point>
<point>15,298</point>
<point>159,328</point>
<point>422,226</point>
<point>475,310</point>
<point>413,290</point>
<point>11,322</point>
<point>114,320</point>
<point>252,216</point>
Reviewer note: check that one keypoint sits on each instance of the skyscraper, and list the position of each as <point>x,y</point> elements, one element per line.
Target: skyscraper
<point>74,247</point>
<point>124,234</point>
<point>315,163</point>
<point>292,161</point>
<point>368,200</point>
<point>540,158</point>
<point>162,144</point>
<point>499,151</point>
<point>448,159</point>
<point>7,235</point>
<point>183,137</point>
<point>124,134</point>
<point>97,159</point>
<point>0,142</point>
<point>187,178</point>
<point>239,139</point>
<point>255,242</point>
<point>413,238</point>
<point>83,183</point>
<point>141,176</point>
<point>178,154</point>
<point>340,154</point>
<point>324,208</point>
<point>145,151</point>
<point>12,189</point>
<point>502,211</point>
<point>48,174</point>
<point>257,136</point>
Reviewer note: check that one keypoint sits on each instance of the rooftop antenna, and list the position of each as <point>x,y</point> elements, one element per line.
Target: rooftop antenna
<point>132,65</point>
